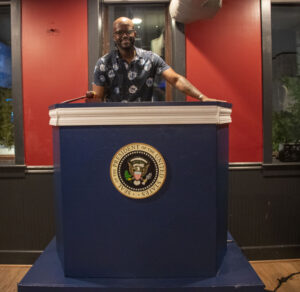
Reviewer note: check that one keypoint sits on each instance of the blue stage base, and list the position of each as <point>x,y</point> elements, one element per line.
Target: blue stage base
<point>235,274</point>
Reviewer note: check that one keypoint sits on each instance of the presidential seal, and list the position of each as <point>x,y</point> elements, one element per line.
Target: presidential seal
<point>138,170</point>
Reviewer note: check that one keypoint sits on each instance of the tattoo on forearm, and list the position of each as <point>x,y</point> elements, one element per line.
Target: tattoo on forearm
<point>185,86</point>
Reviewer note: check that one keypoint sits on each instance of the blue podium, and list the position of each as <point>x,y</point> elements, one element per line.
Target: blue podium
<point>141,194</point>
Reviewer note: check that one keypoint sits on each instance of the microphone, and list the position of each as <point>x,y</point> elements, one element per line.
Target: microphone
<point>88,95</point>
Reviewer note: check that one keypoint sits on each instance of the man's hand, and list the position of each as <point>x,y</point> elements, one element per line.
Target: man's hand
<point>202,97</point>
<point>97,95</point>
<point>91,97</point>
<point>90,94</point>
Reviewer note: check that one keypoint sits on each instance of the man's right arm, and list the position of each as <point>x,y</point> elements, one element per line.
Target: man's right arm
<point>97,95</point>
<point>99,84</point>
<point>99,92</point>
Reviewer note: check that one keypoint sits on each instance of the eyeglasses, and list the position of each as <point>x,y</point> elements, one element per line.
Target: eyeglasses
<point>121,32</point>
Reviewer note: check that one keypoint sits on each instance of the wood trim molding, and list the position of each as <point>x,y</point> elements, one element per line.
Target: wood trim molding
<point>19,257</point>
<point>266,31</point>
<point>285,1</point>
<point>139,115</point>
<point>134,1</point>
<point>168,50</point>
<point>271,170</point>
<point>17,86</point>
<point>285,251</point>
<point>94,40</point>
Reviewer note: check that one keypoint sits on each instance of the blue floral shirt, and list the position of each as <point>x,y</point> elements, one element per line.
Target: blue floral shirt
<point>129,82</point>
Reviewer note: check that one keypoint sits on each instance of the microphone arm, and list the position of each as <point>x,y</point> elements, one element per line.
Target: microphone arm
<point>89,95</point>
<point>74,99</point>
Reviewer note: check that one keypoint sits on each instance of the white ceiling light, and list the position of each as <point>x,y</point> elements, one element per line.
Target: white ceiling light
<point>137,20</point>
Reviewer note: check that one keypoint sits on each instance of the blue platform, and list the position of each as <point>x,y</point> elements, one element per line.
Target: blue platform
<point>235,274</point>
<point>175,240</point>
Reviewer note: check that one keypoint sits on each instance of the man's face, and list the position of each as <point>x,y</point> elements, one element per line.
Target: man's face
<point>124,35</point>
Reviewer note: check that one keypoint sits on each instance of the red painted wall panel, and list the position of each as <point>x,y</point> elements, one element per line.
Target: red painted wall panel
<point>55,67</point>
<point>223,59</point>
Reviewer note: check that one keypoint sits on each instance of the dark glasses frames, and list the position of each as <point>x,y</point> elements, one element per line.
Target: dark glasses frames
<point>121,32</point>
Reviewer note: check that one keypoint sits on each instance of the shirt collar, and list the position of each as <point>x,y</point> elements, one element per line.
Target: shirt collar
<point>138,52</point>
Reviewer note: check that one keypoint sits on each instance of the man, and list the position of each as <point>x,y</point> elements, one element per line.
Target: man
<point>127,73</point>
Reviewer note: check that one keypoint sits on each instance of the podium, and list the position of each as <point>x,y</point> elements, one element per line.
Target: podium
<point>141,196</point>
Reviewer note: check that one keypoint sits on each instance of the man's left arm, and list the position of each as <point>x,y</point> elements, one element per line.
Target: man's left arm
<point>183,85</point>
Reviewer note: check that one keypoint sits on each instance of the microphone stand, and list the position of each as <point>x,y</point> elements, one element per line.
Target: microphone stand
<point>74,99</point>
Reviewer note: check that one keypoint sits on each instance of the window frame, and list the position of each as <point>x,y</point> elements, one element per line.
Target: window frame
<point>17,94</point>
<point>96,26</point>
<point>271,168</point>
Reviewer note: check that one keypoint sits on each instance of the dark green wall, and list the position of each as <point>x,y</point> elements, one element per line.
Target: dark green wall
<point>264,215</point>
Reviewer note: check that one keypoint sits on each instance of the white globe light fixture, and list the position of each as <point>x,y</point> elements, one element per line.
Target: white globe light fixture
<point>137,20</point>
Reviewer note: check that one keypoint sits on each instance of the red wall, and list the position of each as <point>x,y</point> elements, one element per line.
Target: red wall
<point>223,59</point>
<point>54,65</point>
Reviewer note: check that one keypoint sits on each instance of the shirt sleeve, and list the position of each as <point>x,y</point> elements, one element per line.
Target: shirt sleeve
<point>160,64</point>
<point>100,75</point>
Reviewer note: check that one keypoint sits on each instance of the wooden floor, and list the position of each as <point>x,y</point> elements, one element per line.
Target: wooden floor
<point>268,271</point>
<point>10,275</point>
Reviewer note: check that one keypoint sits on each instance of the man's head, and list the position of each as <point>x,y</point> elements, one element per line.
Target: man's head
<point>124,33</point>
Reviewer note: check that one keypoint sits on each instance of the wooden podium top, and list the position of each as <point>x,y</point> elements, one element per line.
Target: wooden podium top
<point>158,113</point>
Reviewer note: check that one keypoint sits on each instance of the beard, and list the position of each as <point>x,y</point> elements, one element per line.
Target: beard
<point>125,43</point>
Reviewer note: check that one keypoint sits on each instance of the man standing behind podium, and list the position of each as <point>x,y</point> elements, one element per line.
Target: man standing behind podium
<point>127,73</point>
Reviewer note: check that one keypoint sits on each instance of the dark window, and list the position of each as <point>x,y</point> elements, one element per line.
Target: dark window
<point>11,103</point>
<point>101,14</point>
<point>285,21</point>
<point>7,141</point>
<point>152,27</point>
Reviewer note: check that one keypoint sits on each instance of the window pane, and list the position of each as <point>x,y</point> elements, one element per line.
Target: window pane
<point>286,82</point>
<point>149,25</point>
<point>6,113</point>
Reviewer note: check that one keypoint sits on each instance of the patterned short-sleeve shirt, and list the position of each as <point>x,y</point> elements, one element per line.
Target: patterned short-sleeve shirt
<point>129,82</point>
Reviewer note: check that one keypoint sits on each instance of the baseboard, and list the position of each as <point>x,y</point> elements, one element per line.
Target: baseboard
<point>253,253</point>
<point>271,252</point>
<point>19,257</point>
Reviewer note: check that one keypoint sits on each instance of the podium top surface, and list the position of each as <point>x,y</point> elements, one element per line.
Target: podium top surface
<point>143,113</point>
<point>140,104</point>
